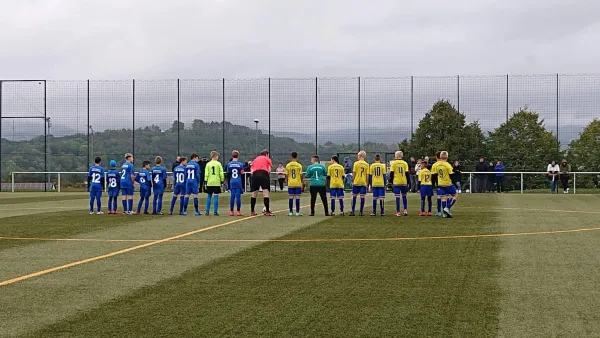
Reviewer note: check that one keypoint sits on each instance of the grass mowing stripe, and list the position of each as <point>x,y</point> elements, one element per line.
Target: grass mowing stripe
<point>56,224</point>
<point>141,246</point>
<point>22,200</point>
<point>300,289</point>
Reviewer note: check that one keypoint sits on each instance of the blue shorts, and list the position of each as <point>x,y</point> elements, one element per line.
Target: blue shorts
<point>449,190</point>
<point>359,190</point>
<point>179,189</point>
<point>236,191</point>
<point>145,192</point>
<point>158,190</point>
<point>378,192</point>
<point>113,192</point>
<point>295,191</point>
<point>426,190</point>
<point>191,188</point>
<point>336,192</point>
<point>400,189</point>
<point>127,191</point>
<point>96,190</point>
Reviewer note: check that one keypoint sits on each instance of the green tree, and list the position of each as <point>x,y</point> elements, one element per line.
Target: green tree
<point>583,153</point>
<point>523,143</point>
<point>443,128</point>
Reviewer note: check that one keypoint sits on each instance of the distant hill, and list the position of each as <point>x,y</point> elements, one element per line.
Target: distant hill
<point>70,153</point>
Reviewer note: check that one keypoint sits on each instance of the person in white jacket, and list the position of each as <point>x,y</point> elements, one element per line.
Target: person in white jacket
<point>553,171</point>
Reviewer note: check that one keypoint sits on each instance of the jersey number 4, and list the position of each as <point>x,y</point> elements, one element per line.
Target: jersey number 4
<point>157,179</point>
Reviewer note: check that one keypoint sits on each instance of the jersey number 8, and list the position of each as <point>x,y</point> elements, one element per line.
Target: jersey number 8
<point>441,173</point>
<point>234,173</point>
<point>112,183</point>
<point>293,173</point>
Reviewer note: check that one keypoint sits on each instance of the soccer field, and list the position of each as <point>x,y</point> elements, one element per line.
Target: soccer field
<point>505,266</point>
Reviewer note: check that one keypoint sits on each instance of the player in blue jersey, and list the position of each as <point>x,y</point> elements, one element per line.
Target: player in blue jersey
<point>96,185</point>
<point>192,177</point>
<point>159,182</point>
<point>144,179</point>
<point>127,179</point>
<point>179,179</point>
<point>113,182</point>
<point>235,174</point>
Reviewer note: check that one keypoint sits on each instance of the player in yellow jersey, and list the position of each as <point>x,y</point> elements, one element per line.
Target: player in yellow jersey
<point>426,189</point>
<point>293,172</point>
<point>377,179</point>
<point>360,173</point>
<point>399,173</point>
<point>445,187</point>
<point>335,174</point>
<point>434,183</point>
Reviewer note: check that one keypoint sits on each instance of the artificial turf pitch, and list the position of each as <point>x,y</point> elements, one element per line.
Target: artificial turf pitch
<point>505,266</point>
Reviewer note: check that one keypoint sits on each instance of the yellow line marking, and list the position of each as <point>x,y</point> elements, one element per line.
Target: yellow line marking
<point>309,240</point>
<point>116,253</point>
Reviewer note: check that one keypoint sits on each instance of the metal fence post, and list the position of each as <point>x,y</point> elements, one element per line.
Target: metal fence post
<point>178,118</point>
<point>223,124</point>
<point>58,188</point>
<point>574,183</point>
<point>506,97</point>
<point>269,142</point>
<point>521,183</point>
<point>133,119</point>
<point>412,107</point>
<point>316,116</point>
<point>358,114</point>
<point>12,182</point>
<point>46,126</point>
<point>88,123</point>
<point>557,102</point>
<point>470,184</point>
<point>0,135</point>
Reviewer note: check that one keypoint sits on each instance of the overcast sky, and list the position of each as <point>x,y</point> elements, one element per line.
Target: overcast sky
<point>120,39</point>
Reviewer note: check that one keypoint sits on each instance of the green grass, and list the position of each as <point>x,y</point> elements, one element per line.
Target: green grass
<point>536,285</point>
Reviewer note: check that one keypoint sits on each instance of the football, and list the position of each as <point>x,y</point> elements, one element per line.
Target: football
<point>264,209</point>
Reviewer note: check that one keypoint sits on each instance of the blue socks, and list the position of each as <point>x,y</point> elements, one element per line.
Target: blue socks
<point>181,204</point>
<point>173,201</point>
<point>298,205</point>
<point>154,204</point>
<point>216,204</point>
<point>397,204</point>
<point>341,205</point>
<point>238,199</point>
<point>196,205</point>
<point>423,204</point>
<point>381,206</point>
<point>374,205</point>
<point>125,206</point>
<point>404,202</point>
<point>429,203</point>
<point>291,204</point>
<point>140,204</point>
<point>185,203</point>
<point>208,203</point>
<point>444,204</point>
<point>362,204</point>
<point>353,203</point>
<point>130,205</point>
<point>332,205</point>
<point>439,205</point>
<point>92,198</point>
<point>231,201</point>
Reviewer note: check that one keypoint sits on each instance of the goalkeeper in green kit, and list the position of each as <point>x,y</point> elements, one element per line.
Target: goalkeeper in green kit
<point>317,174</point>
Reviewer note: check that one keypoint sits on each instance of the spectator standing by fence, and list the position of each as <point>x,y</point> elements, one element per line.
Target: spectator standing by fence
<point>480,179</point>
<point>412,171</point>
<point>456,176</point>
<point>499,169</point>
<point>176,163</point>
<point>418,168</point>
<point>553,170</point>
<point>565,175</point>
<point>280,171</point>
<point>203,162</point>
